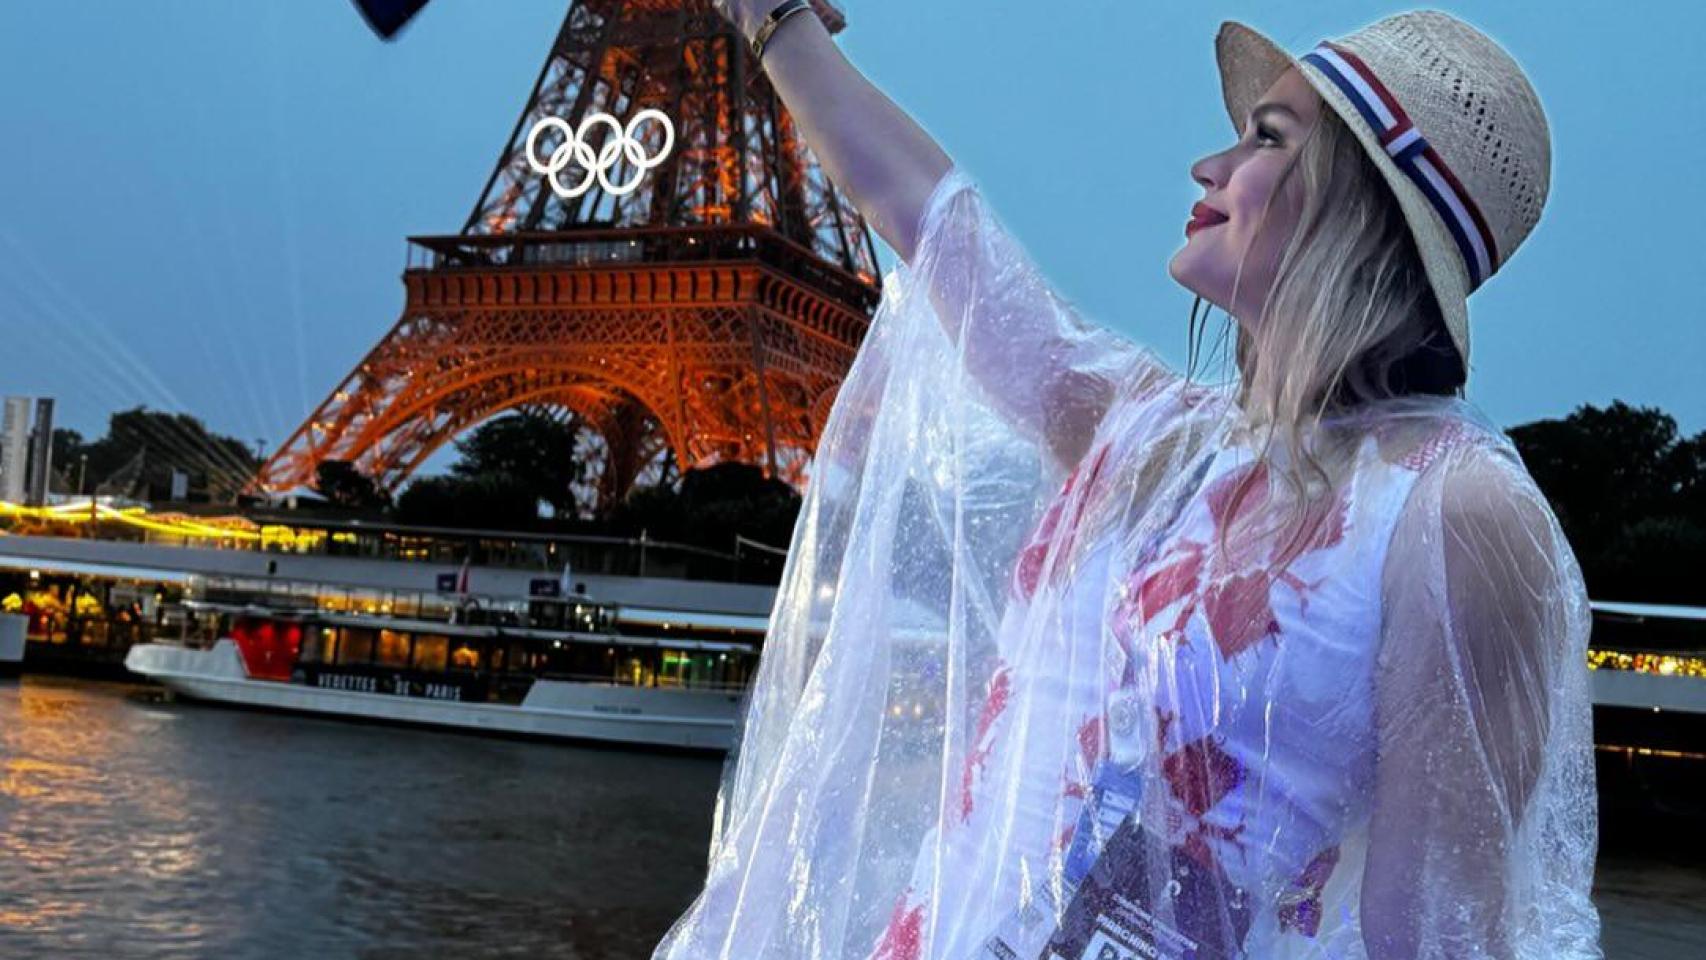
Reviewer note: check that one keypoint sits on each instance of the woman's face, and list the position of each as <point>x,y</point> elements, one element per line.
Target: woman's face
<point>1227,226</point>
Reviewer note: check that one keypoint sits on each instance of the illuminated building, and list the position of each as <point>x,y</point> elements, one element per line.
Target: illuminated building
<point>14,449</point>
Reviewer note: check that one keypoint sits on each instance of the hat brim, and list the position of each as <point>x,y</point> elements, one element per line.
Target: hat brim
<point>1250,63</point>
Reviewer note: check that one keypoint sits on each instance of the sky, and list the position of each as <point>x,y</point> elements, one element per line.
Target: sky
<point>203,203</point>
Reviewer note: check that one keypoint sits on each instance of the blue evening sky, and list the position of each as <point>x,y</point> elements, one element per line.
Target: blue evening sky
<point>203,202</point>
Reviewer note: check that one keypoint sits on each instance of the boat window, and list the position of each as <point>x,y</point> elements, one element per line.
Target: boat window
<point>210,627</point>
<point>431,651</point>
<point>355,646</point>
<point>673,671</point>
<point>545,614</point>
<point>639,668</point>
<point>393,649</point>
<point>699,669</point>
<point>521,659</point>
<point>465,656</point>
<point>434,608</point>
<point>318,646</point>
<point>566,660</point>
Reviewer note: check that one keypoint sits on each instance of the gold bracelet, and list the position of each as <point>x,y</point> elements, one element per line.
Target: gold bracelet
<point>783,11</point>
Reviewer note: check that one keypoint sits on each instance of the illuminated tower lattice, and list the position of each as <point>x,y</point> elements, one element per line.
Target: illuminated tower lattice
<point>709,314</point>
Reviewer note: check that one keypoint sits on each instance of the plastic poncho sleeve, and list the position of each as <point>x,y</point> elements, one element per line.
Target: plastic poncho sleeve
<point>975,389</point>
<point>1046,370</point>
<point>1483,821</point>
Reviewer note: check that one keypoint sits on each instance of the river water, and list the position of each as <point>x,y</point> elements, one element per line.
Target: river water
<point>132,827</point>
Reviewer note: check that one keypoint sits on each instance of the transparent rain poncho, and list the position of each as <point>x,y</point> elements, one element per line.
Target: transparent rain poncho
<point>1039,684</point>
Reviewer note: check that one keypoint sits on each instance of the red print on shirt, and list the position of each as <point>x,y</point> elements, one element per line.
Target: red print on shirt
<point>904,936</point>
<point>1000,688</point>
<point>1031,559</point>
<point>1090,742</point>
<point>1300,903</point>
<point>1242,523</point>
<point>1196,843</point>
<point>1422,454</point>
<point>1239,612</point>
<point>1200,773</point>
<point>1167,585</point>
<point>1230,578</point>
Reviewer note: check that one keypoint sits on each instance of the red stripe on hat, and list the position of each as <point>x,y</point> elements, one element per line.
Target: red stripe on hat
<point>1404,126</point>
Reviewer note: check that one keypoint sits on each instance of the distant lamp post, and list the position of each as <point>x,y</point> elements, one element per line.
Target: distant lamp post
<point>82,487</point>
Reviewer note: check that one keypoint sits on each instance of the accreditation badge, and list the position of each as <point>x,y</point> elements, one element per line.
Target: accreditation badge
<point>1112,915</point>
<point>1111,799</point>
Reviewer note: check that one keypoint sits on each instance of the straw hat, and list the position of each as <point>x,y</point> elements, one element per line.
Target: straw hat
<point>1447,116</point>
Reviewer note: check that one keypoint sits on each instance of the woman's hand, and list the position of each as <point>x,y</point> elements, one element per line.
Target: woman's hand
<point>746,15</point>
<point>874,153</point>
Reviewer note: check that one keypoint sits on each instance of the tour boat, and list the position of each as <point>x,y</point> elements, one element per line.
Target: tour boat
<point>1649,715</point>
<point>576,675</point>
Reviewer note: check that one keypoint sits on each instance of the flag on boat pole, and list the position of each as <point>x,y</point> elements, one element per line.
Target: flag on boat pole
<point>458,585</point>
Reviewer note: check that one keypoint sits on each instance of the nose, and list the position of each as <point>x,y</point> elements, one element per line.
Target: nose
<point>1211,171</point>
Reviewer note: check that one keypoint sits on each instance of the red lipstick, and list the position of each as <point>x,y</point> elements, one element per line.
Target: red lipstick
<point>1203,216</point>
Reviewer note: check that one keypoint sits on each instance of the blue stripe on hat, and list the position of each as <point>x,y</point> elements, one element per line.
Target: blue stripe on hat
<point>1408,160</point>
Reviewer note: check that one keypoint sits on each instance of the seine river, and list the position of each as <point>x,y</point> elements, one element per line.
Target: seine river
<point>131,827</point>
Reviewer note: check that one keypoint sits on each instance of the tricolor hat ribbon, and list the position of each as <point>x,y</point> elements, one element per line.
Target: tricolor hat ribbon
<point>1413,155</point>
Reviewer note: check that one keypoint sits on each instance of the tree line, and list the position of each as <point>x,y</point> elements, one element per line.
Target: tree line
<point>510,467</point>
<point>1630,492</point>
<point>1627,486</point>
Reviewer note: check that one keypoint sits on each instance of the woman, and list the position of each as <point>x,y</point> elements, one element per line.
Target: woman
<point>1075,657</point>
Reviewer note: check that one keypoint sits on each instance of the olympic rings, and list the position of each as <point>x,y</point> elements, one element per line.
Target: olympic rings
<point>576,149</point>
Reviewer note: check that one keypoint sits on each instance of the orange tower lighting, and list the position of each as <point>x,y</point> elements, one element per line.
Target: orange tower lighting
<point>709,312</point>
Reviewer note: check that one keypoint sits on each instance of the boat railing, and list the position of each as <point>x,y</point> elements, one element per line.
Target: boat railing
<point>288,533</point>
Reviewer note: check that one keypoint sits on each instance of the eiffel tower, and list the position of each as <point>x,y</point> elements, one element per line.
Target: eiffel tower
<point>707,315</point>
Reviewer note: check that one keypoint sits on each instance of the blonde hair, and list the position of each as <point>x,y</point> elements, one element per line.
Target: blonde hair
<point>1350,319</point>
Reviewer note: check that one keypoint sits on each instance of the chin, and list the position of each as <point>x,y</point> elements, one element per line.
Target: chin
<point>1189,275</point>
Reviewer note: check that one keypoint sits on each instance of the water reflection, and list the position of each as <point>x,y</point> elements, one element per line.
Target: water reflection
<point>131,828</point>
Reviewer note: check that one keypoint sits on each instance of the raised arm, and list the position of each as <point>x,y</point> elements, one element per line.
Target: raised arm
<point>1030,353</point>
<point>873,151</point>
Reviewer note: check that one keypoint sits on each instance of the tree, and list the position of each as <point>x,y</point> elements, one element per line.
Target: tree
<point>143,447</point>
<point>68,445</point>
<point>711,507</point>
<point>485,501</point>
<point>1630,495</point>
<point>531,452</point>
<point>342,484</point>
